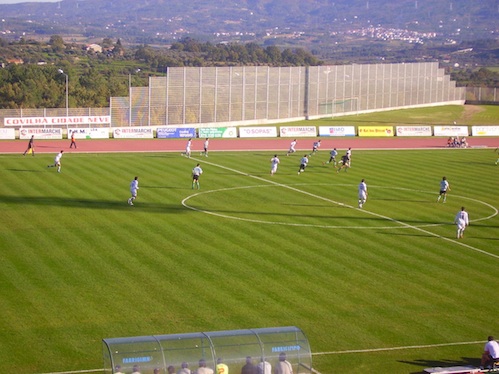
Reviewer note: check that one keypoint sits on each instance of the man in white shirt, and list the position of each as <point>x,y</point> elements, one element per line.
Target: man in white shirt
<point>462,221</point>
<point>490,353</point>
<point>303,164</point>
<point>274,161</point>
<point>283,366</point>
<point>291,147</point>
<point>134,186</point>
<point>188,148</point>
<point>196,172</point>
<point>57,161</point>
<point>444,187</point>
<point>362,193</point>
<point>203,369</point>
<point>264,367</point>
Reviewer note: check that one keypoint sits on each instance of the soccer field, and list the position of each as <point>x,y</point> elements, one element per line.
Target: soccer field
<point>387,288</point>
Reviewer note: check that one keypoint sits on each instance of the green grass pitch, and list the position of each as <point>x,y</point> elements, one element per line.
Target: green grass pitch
<point>384,289</point>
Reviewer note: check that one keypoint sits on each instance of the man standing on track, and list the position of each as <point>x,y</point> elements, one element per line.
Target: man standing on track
<point>73,140</point>
<point>188,148</point>
<point>31,146</point>
<point>205,146</point>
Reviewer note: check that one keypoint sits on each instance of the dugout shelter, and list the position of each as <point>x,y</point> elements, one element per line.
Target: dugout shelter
<point>232,347</point>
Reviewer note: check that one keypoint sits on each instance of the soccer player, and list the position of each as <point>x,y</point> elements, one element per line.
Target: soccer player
<point>349,154</point>
<point>196,172</point>
<point>444,187</point>
<point>345,163</point>
<point>57,161</point>
<point>205,146</point>
<point>303,164</point>
<point>134,186</point>
<point>462,221</point>
<point>497,150</point>
<point>274,161</point>
<point>362,193</point>
<point>31,146</point>
<point>292,147</point>
<point>332,157</point>
<point>315,147</point>
<point>187,152</point>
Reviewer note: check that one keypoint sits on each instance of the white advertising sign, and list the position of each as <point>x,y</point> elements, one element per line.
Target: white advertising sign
<point>450,130</point>
<point>257,132</point>
<point>57,121</point>
<point>7,134</point>
<point>485,130</point>
<point>413,131</point>
<point>85,133</point>
<point>40,133</point>
<point>336,130</point>
<point>133,132</point>
<point>298,131</point>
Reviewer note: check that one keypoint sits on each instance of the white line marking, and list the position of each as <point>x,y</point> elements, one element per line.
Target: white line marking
<point>403,224</point>
<point>394,348</point>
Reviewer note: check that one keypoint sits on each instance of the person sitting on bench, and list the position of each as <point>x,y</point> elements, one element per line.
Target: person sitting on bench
<point>490,354</point>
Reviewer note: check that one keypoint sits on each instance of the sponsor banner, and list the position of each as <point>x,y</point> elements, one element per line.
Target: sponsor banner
<point>337,131</point>
<point>175,132</point>
<point>57,121</point>
<point>485,130</point>
<point>133,132</point>
<point>450,130</point>
<point>413,130</point>
<point>376,131</point>
<point>40,133</point>
<point>7,134</point>
<point>95,133</point>
<point>258,132</point>
<point>298,131</point>
<point>218,132</point>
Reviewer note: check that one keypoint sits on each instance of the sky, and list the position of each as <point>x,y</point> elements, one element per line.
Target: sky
<point>27,1</point>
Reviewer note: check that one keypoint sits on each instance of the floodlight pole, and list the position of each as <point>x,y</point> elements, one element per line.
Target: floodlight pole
<point>67,95</point>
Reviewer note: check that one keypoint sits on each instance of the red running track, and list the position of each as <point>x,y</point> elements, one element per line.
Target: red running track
<point>237,144</point>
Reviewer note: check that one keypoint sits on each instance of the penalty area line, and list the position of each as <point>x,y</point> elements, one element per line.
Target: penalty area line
<point>395,348</point>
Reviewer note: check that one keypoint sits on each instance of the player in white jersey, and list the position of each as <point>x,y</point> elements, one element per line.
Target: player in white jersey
<point>462,221</point>
<point>362,193</point>
<point>303,164</point>
<point>57,161</point>
<point>205,147</point>
<point>349,154</point>
<point>444,187</point>
<point>187,152</point>
<point>274,162</point>
<point>292,147</point>
<point>332,157</point>
<point>134,186</point>
<point>315,147</point>
<point>196,173</point>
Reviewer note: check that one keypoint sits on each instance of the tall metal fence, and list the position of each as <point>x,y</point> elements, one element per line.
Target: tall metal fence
<point>259,94</point>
